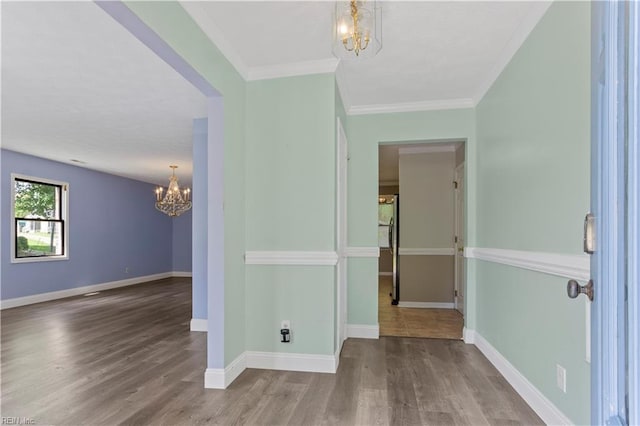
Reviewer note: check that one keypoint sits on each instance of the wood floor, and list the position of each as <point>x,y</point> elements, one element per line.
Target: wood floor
<point>415,322</point>
<point>126,356</point>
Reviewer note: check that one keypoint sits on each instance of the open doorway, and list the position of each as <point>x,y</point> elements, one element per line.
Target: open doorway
<point>421,237</point>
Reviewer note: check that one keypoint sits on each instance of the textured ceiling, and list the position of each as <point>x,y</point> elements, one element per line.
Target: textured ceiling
<point>435,53</point>
<point>77,85</point>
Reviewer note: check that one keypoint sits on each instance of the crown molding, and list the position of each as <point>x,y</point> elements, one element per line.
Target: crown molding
<point>531,19</point>
<point>427,149</point>
<point>201,18</point>
<point>389,183</point>
<point>411,106</point>
<point>293,69</point>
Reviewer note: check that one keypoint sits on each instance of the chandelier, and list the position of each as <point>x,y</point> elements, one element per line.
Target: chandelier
<point>358,29</point>
<point>174,202</point>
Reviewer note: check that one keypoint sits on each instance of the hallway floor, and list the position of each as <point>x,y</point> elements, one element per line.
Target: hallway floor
<point>415,322</point>
<point>126,356</point>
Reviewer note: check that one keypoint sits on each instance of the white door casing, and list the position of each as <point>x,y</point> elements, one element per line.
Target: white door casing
<point>341,232</point>
<point>459,270</point>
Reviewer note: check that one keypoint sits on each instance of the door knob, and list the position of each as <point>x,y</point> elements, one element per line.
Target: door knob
<point>574,289</point>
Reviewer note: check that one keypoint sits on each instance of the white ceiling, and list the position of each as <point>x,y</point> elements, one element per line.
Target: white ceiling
<point>76,85</point>
<point>435,54</point>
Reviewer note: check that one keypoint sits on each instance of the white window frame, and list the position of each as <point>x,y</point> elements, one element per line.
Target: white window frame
<point>64,215</point>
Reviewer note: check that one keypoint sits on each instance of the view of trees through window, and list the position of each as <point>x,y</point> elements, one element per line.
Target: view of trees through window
<point>38,222</point>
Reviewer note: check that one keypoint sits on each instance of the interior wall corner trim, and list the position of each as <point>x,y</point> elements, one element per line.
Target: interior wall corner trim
<point>309,258</point>
<point>363,331</point>
<point>548,412</point>
<point>362,252</point>
<point>572,266</point>
<point>221,378</point>
<point>445,251</point>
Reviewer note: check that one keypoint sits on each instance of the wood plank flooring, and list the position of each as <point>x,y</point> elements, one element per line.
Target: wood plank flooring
<point>126,356</point>
<point>415,322</point>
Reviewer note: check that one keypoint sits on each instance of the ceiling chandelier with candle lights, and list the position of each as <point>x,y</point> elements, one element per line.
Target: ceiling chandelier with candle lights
<point>358,29</point>
<point>175,202</point>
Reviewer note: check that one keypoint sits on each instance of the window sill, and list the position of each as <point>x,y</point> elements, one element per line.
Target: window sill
<point>38,259</point>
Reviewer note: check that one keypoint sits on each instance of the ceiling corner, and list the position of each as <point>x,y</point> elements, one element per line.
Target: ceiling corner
<point>201,18</point>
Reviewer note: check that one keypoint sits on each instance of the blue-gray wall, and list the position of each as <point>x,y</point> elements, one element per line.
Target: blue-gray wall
<point>182,243</point>
<point>113,225</point>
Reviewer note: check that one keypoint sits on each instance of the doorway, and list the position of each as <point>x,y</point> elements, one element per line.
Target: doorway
<point>421,279</point>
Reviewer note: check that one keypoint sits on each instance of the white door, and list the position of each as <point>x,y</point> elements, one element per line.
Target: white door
<point>459,270</point>
<point>341,233</point>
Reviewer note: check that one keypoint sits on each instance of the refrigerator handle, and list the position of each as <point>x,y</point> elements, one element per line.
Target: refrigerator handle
<point>391,235</point>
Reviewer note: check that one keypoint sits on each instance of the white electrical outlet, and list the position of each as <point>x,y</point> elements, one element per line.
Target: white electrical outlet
<point>561,378</point>
<point>126,270</point>
<point>285,324</point>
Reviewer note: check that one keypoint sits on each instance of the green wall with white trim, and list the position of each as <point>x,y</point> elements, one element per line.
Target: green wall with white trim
<point>290,199</point>
<point>365,132</point>
<point>533,192</point>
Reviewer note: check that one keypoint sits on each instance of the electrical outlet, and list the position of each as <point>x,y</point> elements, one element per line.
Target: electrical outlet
<point>126,270</point>
<point>285,324</point>
<point>561,378</point>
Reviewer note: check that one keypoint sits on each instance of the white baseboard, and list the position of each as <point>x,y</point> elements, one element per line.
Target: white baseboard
<point>359,331</point>
<point>548,412</point>
<point>468,336</point>
<point>425,305</point>
<point>221,378</point>
<point>198,324</point>
<point>385,274</point>
<point>292,362</point>
<point>77,291</point>
<point>181,274</point>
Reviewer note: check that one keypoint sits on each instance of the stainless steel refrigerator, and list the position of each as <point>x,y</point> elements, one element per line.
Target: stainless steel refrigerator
<point>394,243</point>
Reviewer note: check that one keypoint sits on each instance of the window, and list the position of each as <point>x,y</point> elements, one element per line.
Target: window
<point>39,228</point>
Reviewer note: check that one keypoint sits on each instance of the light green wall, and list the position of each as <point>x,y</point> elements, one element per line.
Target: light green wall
<point>291,163</point>
<point>365,132</point>
<point>175,27</point>
<point>290,199</point>
<point>302,294</point>
<point>533,192</point>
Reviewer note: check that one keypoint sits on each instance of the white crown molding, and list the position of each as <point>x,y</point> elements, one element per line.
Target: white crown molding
<point>548,412</point>
<point>319,66</point>
<point>425,305</point>
<point>531,19</point>
<point>292,362</point>
<point>426,149</point>
<point>221,378</point>
<point>411,106</point>
<point>359,331</point>
<point>572,266</point>
<point>201,18</point>
<point>445,251</point>
<point>328,258</point>
<point>78,291</point>
<point>362,252</point>
<point>198,324</point>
